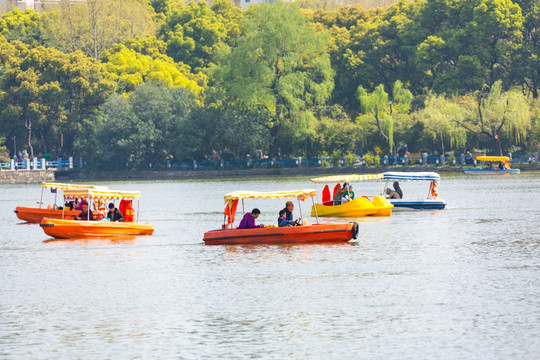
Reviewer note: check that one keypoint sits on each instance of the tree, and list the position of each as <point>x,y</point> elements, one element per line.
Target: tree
<point>377,110</point>
<point>95,25</point>
<point>440,117</point>
<point>48,93</point>
<point>23,26</point>
<point>279,65</point>
<point>195,33</point>
<point>527,68</point>
<point>468,43</point>
<point>148,127</point>
<point>494,112</point>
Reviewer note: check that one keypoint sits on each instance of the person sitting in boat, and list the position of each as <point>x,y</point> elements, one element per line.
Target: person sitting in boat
<point>289,207</point>
<point>77,205</point>
<point>283,221</point>
<point>398,190</point>
<point>489,165</point>
<point>248,221</point>
<point>391,194</point>
<point>501,165</point>
<point>338,198</point>
<point>85,214</point>
<point>100,216</point>
<point>348,194</point>
<point>114,214</point>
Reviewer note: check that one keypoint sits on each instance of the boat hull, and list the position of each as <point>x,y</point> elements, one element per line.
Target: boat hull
<point>318,233</point>
<point>67,229</point>
<point>419,204</point>
<point>35,215</point>
<point>480,171</point>
<point>359,207</point>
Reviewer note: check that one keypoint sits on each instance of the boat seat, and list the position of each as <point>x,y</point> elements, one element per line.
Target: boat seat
<point>326,200</point>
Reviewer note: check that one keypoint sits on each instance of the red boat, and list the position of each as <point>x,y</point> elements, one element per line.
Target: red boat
<point>306,233</point>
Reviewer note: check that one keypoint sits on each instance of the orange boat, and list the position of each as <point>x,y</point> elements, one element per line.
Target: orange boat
<point>36,214</point>
<point>66,229</point>
<point>306,233</point>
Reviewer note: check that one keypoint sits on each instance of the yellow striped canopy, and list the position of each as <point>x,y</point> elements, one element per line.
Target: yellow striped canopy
<point>105,194</point>
<point>302,194</point>
<point>347,178</point>
<point>64,187</point>
<point>493,158</point>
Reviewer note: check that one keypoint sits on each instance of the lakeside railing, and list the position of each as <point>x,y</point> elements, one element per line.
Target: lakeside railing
<point>461,160</point>
<point>42,164</point>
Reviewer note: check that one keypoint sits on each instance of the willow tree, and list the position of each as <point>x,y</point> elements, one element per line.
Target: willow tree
<point>95,25</point>
<point>376,109</point>
<point>495,112</point>
<point>279,64</point>
<point>440,118</point>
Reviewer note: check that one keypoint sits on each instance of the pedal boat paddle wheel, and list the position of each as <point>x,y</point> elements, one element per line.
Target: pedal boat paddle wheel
<point>431,201</point>
<point>492,170</point>
<point>272,234</point>
<point>36,214</point>
<point>359,206</point>
<point>67,228</point>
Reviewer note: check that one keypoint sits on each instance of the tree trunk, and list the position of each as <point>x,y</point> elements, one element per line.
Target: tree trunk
<point>498,147</point>
<point>29,127</point>
<point>274,137</point>
<point>442,143</point>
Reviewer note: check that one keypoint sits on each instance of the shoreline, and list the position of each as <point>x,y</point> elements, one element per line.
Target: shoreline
<point>223,173</point>
<point>18,176</point>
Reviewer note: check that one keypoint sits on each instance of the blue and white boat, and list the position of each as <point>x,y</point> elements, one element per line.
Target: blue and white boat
<point>432,200</point>
<point>503,167</point>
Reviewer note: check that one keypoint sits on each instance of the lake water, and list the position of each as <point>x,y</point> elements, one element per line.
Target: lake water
<point>459,283</point>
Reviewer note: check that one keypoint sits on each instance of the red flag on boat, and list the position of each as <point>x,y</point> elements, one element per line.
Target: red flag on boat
<point>230,210</point>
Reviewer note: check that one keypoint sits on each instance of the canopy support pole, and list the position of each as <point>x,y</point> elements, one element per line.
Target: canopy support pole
<point>300,208</point>
<point>315,208</point>
<point>230,213</point>
<point>41,199</point>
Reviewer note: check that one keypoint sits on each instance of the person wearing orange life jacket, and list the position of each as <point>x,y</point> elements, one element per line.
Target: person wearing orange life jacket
<point>434,192</point>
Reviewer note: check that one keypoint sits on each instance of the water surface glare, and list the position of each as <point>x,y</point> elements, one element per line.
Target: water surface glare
<point>459,283</point>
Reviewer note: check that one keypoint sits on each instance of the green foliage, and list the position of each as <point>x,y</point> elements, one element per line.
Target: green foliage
<point>351,159</point>
<point>150,126</point>
<point>4,152</point>
<point>371,159</point>
<point>22,26</point>
<point>95,25</point>
<point>45,94</point>
<point>336,158</point>
<point>196,33</point>
<point>130,68</point>
<point>380,112</point>
<point>441,117</point>
<point>279,65</point>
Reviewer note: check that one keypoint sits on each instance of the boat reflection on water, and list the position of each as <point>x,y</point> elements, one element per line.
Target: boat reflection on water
<point>120,240</point>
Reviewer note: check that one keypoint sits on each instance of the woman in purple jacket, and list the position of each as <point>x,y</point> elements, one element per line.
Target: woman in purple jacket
<point>248,221</point>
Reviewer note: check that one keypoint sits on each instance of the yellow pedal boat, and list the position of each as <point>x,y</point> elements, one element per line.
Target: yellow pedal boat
<point>349,205</point>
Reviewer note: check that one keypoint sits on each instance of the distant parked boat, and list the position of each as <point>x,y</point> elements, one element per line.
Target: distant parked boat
<point>502,169</point>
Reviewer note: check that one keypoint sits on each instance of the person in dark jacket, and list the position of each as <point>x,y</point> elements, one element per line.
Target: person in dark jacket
<point>85,214</point>
<point>114,214</point>
<point>398,189</point>
<point>283,221</point>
